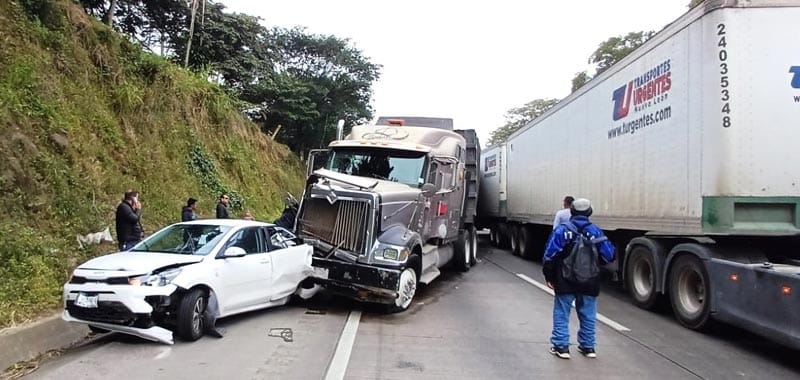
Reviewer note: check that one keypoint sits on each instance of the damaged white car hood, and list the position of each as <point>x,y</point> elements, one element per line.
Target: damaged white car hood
<point>133,263</point>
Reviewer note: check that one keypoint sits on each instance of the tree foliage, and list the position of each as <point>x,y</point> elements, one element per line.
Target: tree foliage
<point>517,118</point>
<point>301,81</point>
<point>579,80</point>
<point>615,49</point>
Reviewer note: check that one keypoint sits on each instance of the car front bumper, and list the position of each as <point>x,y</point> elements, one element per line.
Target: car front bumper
<point>122,308</point>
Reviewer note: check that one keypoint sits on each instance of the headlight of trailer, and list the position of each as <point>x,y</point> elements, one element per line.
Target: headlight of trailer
<point>157,279</point>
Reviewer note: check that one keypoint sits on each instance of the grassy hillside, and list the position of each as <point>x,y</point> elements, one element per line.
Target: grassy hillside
<point>85,115</point>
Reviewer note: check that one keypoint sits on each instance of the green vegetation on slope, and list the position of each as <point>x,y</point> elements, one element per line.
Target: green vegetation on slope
<point>85,115</point>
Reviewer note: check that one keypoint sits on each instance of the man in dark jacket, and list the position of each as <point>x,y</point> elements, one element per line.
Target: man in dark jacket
<point>222,207</point>
<point>128,221</point>
<point>188,212</point>
<point>584,295</point>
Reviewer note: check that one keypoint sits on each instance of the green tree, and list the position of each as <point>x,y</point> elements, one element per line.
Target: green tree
<point>517,118</point>
<point>614,49</point>
<point>579,80</point>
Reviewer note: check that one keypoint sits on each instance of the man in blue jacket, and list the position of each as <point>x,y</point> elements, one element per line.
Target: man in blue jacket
<point>566,292</point>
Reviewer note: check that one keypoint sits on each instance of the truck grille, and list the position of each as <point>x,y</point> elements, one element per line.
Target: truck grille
<point>344,222</point>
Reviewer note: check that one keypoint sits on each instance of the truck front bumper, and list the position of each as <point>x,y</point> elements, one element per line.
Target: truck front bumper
<point>357,281</point>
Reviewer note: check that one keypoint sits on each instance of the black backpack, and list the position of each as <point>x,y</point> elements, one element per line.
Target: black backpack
<point>581,266</point>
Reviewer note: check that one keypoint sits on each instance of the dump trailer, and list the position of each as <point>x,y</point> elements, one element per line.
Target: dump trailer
<point>389,205</point>
<point>687,149</point>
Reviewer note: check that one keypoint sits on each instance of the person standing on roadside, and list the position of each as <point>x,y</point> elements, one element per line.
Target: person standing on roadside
<point>563,215</point>
<point>128,221</point>
<point>188,213</point>
<point>222,207</point>
<point>572,257</point>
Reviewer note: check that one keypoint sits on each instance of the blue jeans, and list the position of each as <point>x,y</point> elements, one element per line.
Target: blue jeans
<point>586,306</point>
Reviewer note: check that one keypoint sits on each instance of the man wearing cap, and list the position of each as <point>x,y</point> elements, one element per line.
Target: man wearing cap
<point>188,213</point>
<point>584,296</point>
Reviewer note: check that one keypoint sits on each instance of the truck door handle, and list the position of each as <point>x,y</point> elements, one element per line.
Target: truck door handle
<point>265,261</point>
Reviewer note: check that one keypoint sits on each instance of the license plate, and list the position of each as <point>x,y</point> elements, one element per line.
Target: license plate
<point>86,301</point>
<point>321,273</point>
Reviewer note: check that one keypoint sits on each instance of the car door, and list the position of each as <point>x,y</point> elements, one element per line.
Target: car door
<point>290,262</point>
<point>246,279</point>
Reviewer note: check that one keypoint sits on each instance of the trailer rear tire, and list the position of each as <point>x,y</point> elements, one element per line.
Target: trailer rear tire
<point>525,241</point>
<point>690,292</point>
<point>640,277</point>
<point>493,237</point>
<point>512,238</point>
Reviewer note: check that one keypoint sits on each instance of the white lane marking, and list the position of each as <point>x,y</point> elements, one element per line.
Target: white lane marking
<point>341,356</point>
<point>600,317</point>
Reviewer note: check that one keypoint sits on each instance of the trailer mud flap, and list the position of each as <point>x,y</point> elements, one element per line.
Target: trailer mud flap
<point>357,281</point>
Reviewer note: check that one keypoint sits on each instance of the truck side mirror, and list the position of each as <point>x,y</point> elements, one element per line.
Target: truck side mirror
<point>316,159</point>
<point>428,190</point>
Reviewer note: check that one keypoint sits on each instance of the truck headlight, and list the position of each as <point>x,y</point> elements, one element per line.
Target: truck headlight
<point>395,254</point>
<point>158,279</point>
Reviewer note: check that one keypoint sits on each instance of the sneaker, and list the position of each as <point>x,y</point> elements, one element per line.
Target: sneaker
<point>561,352</point>
<point>587,352</point>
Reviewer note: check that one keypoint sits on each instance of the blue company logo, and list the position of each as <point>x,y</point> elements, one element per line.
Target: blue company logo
<point>796,78</point>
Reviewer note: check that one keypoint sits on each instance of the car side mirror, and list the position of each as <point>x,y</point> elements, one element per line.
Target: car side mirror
<point>234,252</point>
<point>428,190</point>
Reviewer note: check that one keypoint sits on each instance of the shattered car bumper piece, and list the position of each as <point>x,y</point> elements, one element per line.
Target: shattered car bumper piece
<point>357,281</point>
<point>126,309</point>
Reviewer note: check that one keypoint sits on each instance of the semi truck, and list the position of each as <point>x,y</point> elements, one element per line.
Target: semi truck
<point>389,205</point>
<point>688,150</point>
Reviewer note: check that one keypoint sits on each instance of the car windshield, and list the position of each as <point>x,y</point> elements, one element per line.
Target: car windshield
<point>184,239</point>
<point>386,164</point>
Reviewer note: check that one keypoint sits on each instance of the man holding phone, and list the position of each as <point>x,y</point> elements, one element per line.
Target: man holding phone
<point>128,221</point>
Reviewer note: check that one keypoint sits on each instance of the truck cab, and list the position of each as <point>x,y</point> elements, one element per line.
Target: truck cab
<point>389,205</point>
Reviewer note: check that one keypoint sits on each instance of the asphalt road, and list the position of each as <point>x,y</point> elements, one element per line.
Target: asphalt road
<point>489,323</point>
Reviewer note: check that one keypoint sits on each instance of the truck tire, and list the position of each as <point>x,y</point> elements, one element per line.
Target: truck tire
<point>409,281</point>
<point>525,242</point>
<point>190,319</point>
<point>512,238</point>
<point>690,292</point>
<point>463,251</point>
<point>473,235</point>
<point>493,237</point>
<point>504,235</point>
<point>640,277</point>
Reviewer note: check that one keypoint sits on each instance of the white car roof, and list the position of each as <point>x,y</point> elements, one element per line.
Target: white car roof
<point>228,222</point>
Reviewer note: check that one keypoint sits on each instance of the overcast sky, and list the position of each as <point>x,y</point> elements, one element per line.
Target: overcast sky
<point>470,61</point>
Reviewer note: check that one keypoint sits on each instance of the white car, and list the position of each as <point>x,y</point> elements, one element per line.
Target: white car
<point>165,282</point>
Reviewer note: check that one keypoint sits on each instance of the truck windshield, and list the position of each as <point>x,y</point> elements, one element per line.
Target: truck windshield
<point>386,164</point>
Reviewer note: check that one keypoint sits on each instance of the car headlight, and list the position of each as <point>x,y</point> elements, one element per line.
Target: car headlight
<point>157,279</point>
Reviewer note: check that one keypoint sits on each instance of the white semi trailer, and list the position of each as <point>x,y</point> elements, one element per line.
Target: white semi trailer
<point>689,150</point>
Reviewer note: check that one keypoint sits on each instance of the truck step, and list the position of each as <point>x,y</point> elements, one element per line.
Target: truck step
<point>429,275</point>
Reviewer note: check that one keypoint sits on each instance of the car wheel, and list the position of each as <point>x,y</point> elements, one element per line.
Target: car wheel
<point>191,315</point>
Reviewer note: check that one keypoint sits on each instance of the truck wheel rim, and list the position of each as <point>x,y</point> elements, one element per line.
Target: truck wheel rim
<point>691,290</point>
<point>642,278</point>
<point>408,286</point>
<point>467,250</point>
